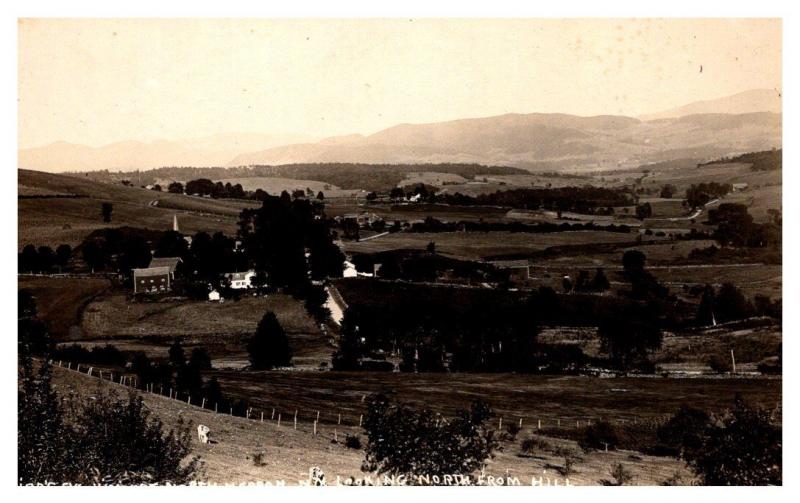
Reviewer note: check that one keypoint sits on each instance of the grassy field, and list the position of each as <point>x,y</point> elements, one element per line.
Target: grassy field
<point>477,245</point>
<point>62,220</point>
<point>288,453</point>
<point>60,301</point>
<point>221,329</point>
<point>531,397</point>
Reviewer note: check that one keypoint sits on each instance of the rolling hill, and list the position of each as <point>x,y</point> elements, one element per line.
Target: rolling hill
<point>542,140</point>
<point>68,209</point>
<point>755,100</point>
<point>745,122</point>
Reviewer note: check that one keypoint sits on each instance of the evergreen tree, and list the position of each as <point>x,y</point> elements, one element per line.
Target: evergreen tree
<point>269,347</point>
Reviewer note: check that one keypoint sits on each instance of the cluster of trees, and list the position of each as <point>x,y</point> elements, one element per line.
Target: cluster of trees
<point>277,236</point>
<point>431,224</point>
<point>700,194</point>
<point>120,249</point>
<point>598,284</point>
<point>415,265</point>
<point>728,303</point>
<point>43,259</point>
<point>494,335</point>
<point>740,447</point>
<point>218,190</point>
<point>735,227</point>
<point>586,199</point>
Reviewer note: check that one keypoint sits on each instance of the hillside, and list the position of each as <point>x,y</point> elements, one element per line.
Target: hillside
<point>755,100</point>
<point>602,142</point>
<point>55,220</point>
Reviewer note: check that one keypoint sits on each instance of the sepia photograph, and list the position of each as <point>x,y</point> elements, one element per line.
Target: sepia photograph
<point>399,251</point>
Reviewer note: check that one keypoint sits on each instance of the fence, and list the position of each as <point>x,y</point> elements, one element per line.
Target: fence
<point>310,420</point>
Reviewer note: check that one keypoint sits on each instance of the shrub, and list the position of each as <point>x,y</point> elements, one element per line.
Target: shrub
<point>620,475</point>
<point>684,432</point>
<point>743,448</point>
<point>599,435</point>
<point>353,442</point>
<point>100,441</point>
<point>411,443</point>
<point>258,459</point>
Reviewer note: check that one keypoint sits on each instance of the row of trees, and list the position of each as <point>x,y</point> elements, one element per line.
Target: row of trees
<point>43,259</point>
<point>586,199</point>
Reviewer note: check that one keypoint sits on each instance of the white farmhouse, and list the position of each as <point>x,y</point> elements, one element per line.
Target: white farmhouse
<point>241,280</point>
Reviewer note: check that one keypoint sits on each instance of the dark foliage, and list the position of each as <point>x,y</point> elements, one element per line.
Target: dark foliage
<point>406,442</point>
<point>744,448</point>
<point>269,347</point>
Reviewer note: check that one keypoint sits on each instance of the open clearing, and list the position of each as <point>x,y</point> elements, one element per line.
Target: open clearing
<point>60,301</point>
<point>288,454</point>
<point>478,245</point>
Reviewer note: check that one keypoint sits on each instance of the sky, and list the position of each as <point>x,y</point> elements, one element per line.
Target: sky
<point>95,82</point>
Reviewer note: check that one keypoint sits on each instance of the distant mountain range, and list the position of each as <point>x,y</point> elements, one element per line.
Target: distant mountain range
<point>743,122</point>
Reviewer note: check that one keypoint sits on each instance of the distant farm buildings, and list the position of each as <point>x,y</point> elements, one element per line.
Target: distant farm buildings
<point>152,280</point>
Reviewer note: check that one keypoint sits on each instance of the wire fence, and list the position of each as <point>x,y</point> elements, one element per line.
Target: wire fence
<point>335,424</point>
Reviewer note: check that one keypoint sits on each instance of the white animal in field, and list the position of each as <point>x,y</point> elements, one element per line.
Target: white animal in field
<point>203,433</point>
<point>316,476</point>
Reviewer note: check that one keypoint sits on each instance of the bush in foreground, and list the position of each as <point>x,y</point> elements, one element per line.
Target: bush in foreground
<point>405,442</point>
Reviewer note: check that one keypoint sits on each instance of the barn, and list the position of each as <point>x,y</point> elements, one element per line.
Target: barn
<point>152,280</point>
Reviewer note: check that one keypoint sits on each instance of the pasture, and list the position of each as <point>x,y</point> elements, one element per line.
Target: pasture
<point>287,454</point>
<point>479,245</point>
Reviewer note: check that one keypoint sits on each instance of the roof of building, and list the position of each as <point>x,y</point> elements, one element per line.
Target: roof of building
<point>171,262</point>
<point>150,271</point>
<point>235,276</point>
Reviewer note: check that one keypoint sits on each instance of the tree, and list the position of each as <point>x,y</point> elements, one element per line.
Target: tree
<point>744,448</point>
<point>106,209</point>
<point>731,304</point>
<point>667,191</point>
<point>135,254</point>
<point>633,261</point>
<point>644,211</point>
<point>189,380</point>
<point>47,258</point>
<point>269,347</point>
<point>600,282</point>
<point>177,356</point>
<point>420,445</point>
<point>28,259</point>
<point>685,431</point>
<point>175,188</point>
<point>200,359</point>
<point>397,193</point>
<point>320,196</point>
<point>431,248</point>
<point>372,196</point>
<point>705,311</point>
<point>627,337</point>
<point>171,244</point>
<point>63,254</point>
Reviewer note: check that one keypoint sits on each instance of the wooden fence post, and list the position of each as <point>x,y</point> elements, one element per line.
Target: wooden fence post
<point>360,420</point>
<point>279,418</point>
<point>500,423</point>
<point>340,419</point>
<point>520,423</point>
<point>272,417</point>
<point>315,427</point>
<point>203,405</point>
<point>317,415</point>
<point>295,419</point>
<point>216,410</point>
<point>189,399</point>
<point>262,416</point>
